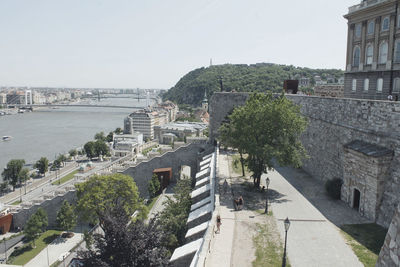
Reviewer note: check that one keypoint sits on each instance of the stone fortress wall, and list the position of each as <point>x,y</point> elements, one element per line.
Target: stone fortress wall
<point>141,173</point>
<point>332,124</point>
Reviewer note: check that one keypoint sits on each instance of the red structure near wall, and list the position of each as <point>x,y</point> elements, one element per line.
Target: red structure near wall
<point>5,223</point>
<point>164,176</point>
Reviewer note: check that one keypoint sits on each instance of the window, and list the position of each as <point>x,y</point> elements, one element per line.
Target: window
<point>369,53</point>
<point>357,30</point>
<point>379,85</point>
<point>383,51</point>
<point>356,56</point>
<point>396,85</point>
<point>354,85</point>
<point>385,24</point>
<point>371,27</point>
<point>366,84</point>
<point>397,51</point>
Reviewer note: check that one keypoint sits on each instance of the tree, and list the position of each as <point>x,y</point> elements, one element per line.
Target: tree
<point>36,225</point>
<point>66,217</point>
<point>100,136</point>
<point>12,171</point>
<point>126,243</point>
<point>174,216</point>
<point>105,192</point>
<point>23,175</point>
<point>101,148</point>
<point>110,137</point>
<point>62,159</point>
<point>154,186</point>
<point>89,148</point>
<point>4,187</point>
<point>42,165</point>
<point>56,165</point>
<point>118,130</point>
<point>267,128</point>
<point>73,153</point>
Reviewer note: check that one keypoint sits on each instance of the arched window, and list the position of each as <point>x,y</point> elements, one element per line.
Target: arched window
<point>396,85</point>
<point>397,51</point>
<point>383,53</point>
<point>356,56</point>
<point>369,54</point>
<point>385,24</point>
<point>379,85</point>
<point>354,85</point>
<point>371,27</point>
<point>366,84</point>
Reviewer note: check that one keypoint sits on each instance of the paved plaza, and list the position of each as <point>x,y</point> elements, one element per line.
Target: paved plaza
<point>313,237</point>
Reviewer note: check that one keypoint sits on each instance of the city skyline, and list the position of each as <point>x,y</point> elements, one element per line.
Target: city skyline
<point>152,44</point>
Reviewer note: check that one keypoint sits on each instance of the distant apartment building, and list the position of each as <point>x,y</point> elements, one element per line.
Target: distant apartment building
<point>171,108</point>
<point>3,98</point>
<point>178,130</point>
<point>15,98</point>
<point>304,82</point>
<point>141,121</point>
<point>373,50</point>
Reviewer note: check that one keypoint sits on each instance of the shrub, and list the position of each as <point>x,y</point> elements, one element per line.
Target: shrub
<point>333,187</point>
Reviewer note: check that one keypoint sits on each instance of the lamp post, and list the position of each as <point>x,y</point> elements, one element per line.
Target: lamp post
<point>5,248</point>
<point>287,224</point>
<point>266,196</point>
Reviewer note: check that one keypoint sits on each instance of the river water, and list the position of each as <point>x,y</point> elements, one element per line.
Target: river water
<point>49,132</point>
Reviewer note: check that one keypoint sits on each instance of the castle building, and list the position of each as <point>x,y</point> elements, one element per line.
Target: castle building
<point>373,50</point>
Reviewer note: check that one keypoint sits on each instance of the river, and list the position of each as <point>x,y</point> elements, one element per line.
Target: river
<point>49,132</point>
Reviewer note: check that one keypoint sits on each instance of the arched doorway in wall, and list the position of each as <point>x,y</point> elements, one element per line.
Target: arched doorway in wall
<point>356,199</point>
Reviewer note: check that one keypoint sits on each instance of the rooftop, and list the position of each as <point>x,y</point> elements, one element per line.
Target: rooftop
<point>368,149</point>
<point>365,4</point>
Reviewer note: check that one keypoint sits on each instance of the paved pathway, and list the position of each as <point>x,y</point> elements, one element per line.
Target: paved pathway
<point>55,251</point>
<point>221,251</point>
<point>312,239</point>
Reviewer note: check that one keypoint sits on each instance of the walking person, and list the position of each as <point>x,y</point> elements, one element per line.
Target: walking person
<point>218,224</point>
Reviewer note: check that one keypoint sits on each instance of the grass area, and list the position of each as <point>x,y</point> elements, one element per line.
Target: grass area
<point>269,250</point>
<point>262,211</point>
<point>237,166</point>
<point>66,178</point>
<point>17,202</point>
<point>25,253</point>
<point>152,202</point>
<point>366,241</point>
<point>147,150</point>
<point>56,264</point>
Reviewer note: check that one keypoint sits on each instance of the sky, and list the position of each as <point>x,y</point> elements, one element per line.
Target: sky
<point>152,44</point>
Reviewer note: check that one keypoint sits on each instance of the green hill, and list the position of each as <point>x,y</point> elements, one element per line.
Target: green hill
<point>258,77</point>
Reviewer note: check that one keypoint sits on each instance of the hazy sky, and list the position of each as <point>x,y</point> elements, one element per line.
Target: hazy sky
<point>151,44</point>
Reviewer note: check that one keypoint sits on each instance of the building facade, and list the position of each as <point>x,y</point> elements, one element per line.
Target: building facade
<point>143,122</point>
<point>373,50</point>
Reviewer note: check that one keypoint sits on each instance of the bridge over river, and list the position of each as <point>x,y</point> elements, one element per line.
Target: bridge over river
<point>23,106</point>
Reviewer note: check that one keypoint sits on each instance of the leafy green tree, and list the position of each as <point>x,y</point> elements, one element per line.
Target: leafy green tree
<point>174,216</point>
<point>110,137</point>
<point>62,159</point>
<point>12,171</point>
<point>36,225</point>
<point>89,148</point>
<point>118,130</point>
<point>100,136</point>
<point>23,176</point>
<point>126,243</point>
<point>101,148</point>
<point>4,187</point>
<point>66,217</point>
<point>73,153</point>
<point>154,186</point>
<point>56,165</point>
<point>42,165</point>
<point>104,192</point>
<point>268,129</point>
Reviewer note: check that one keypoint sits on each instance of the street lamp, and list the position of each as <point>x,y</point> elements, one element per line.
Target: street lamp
<point>286,222</point>
<point>266,196</point>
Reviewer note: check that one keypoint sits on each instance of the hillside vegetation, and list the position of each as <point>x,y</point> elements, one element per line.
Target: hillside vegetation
<point>258,77</point>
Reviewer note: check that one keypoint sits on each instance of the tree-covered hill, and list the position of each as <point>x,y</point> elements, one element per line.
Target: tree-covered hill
<point>258,77</point>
